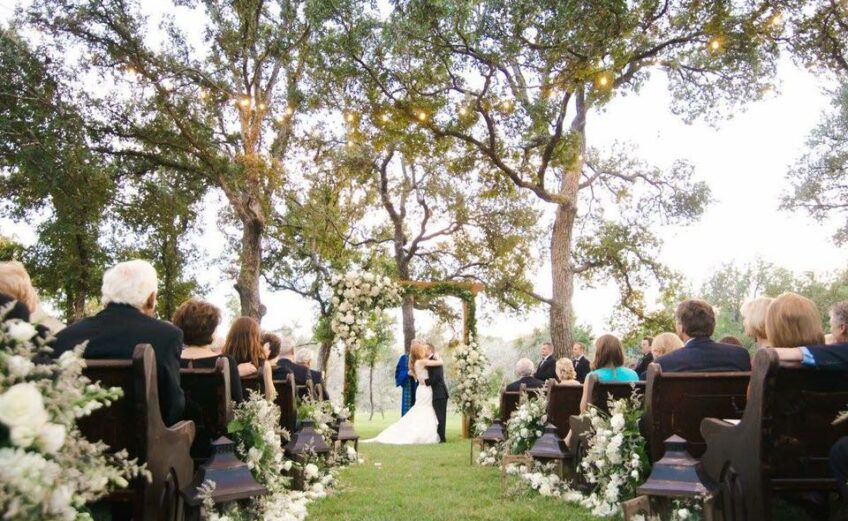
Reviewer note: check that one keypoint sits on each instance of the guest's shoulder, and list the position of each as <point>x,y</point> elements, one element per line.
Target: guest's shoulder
<point>627,375</point>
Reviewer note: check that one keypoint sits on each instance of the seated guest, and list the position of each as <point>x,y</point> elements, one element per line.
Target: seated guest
<point>646,358</point>
<point>732,340</point>
<point>198,321</point>
<point>304,358</point>
<point>695,323</point>
<point>244,345</point>
<point>581,363</point>
<point>18,309</point>
<point>524,372</point>
<point>15,282</point>
<point>663,344</point>
<point>286,364</point>
<point>271,343</point>
<point>754,320</point>
<point>608,365</point>
<point>546,369</point>
<point>566,373</point>
<point>129,294</point>
<point>813,354</point>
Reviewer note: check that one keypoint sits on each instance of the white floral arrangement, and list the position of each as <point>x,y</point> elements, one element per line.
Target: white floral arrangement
<point>540,478</point>
<point>616,461</point>
<point>470,392</point>
<point>526,425</point>
<point>355,296</point>
<point>489,412</point>
<point>491,456</point>
<point>48,470</point>
<point>322,414</point>
<point>681,510</point>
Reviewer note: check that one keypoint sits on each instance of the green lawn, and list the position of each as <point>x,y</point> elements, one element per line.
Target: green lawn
<point>431,482</point>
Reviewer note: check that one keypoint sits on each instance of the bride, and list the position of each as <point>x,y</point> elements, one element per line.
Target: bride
<point>419,425</point>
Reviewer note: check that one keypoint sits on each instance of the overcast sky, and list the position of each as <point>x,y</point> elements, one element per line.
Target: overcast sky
<point>744,161</point>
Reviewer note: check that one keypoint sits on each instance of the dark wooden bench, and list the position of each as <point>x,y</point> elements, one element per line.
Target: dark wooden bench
<point>134,423</point>
<point>208,396</point>
<point>563,403</point>
<point>675,403</point>
<point>261,383</point>
<point>783,440</point>
<point>285,398</point>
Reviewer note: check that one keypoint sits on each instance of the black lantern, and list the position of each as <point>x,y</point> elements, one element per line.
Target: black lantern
<point>307,441</point>
<point>494,434</point>
<point>232,477</point>
<point>676,476</point>
<point>346,433</point>
<point>550,448</point>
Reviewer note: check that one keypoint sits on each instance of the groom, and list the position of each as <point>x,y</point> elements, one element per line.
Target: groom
<point>440,391</point>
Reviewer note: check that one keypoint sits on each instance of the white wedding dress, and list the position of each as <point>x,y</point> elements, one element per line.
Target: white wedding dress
<point>419,425</point>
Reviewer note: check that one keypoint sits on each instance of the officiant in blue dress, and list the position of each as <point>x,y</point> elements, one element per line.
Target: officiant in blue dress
<point>407,384</point>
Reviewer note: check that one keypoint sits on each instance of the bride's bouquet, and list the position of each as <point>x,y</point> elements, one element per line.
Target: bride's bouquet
<point>48,470</point>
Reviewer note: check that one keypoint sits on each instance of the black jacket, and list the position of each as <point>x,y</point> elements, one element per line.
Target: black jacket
<point>581,368</point>
<point>286,366</point>
<point>209,363</point>
<point>116,331</point>
<point>436,381</point>
<point>546,369</point>
<point>642,367</point>
<point>834,356</point>
<point>529,381</point>
<point>702,354</point>
<point>318,379</point>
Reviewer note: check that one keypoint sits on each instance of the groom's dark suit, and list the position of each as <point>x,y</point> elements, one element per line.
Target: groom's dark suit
<point>440,396</point>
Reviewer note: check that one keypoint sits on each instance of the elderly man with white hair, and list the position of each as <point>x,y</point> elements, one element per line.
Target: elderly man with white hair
<point>129,294</point>
<point>524,371</point>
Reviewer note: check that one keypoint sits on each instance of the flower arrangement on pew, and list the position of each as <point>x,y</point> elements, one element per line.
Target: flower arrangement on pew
<point>526,425</point>
<point>541,478</point>
<point>470,393</point>
<point>48,470</point>
<point>616,461</point>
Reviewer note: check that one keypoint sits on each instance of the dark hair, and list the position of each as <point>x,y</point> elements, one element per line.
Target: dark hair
<point>608,352</point>
<point>198,319</point>
<point>650,340</point>
<point>274,343</point>
<point>244,343</point>
<point>730,339</point>
<point>696,318</point>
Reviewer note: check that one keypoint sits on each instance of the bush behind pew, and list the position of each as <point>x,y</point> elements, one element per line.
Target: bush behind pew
<point>48,470</point>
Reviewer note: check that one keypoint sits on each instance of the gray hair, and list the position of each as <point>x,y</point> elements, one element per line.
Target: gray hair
<point>286,346</point>
<point>303,356</point>
<point>839,312</point>
<point>524,367</point>
<point>130,282</point>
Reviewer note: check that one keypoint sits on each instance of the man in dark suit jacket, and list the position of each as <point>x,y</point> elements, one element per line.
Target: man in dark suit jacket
<point>524,372</point>
<point>547,365</point>
<point>646,359</point>
<point>286,365</point>
<point>129,293</point>
<point>436,381</point>
<point>695,325</point>
<point>582,367</point>
<point>303,358</point>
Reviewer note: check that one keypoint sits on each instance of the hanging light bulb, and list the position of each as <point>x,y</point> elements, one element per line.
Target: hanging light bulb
<point>385,117</point>
<point>463,111</point>
<point>714,44</point>
<point>290,111</point>
<point>244,102</point>
<point>422,116</point>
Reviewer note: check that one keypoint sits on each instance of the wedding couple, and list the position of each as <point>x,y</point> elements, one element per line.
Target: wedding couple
<point>425,421</point>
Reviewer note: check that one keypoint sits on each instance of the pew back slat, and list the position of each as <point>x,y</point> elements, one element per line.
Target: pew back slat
<point>208,393</point>
<point>563,403</point>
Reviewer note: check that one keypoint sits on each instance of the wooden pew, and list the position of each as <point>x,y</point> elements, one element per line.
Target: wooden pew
<point>563,403</point>
<point>208,393</point>
<point>783,440</point>
<point>675,403</point>
<point>286,400</point>
<point>261,383</point>
<point>134,423</point>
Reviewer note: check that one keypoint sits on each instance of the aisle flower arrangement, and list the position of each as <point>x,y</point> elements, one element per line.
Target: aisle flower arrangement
<point>471,363</point>
<point>48,470</point>
<point>355,296</point>
<point>540,478</point>
<point>616,461</point>
<point>526,425</point>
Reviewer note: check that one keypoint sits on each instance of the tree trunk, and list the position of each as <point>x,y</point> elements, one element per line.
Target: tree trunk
<point>324,354</point>
<point>247,285</point>
<point>371,390</point>
<point>408,311</point>
<point>562,276</point>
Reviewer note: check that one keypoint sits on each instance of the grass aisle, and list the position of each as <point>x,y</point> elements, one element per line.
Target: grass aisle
<point>430,482</point>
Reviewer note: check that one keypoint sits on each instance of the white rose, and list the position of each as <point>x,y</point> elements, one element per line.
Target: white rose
<point>287,465</point>
<point>20,331</point>
<point>617,422</point>
<point>60,502</point>
<point>683,514</point>
<point>310,471</point>
<point>22,436</point>
<point>22,406</point>
<point>634,474</point>
<point>19,366</point>
<point>52,437</point>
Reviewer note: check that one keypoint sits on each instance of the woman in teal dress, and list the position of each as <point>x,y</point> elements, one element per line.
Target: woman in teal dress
<point>608,365</point>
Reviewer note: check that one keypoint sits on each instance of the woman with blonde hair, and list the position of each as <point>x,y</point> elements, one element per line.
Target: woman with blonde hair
<point>16,284</point>
<point>565,372</point>
<point>793,321</point>
<point>665,343</point>
<point>754,320</point>
<point>420,424</point>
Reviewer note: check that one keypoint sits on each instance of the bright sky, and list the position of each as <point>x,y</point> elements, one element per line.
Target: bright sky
<point>744,161</point>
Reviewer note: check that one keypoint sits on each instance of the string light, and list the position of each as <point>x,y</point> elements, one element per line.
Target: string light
<point>262,106</point>
<point>463,111</point>
<point>777,19</point>
<point>350,118</point>
<point>290,111</point>
<point>422,116</point>
<point>244,102</point>
<point>203,94</point>
<point>385,117</point>
<point>714,44</point>
<point>506,105</point>
<point>351,143</point>
<point>604,80</point>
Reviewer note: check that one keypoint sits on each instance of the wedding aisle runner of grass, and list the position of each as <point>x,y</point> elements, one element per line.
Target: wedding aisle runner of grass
<point>428,483</point>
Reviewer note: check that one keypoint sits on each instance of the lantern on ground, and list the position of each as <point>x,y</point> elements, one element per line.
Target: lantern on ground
<point>676,477</point>
<point>550,448</point>
<point>345,433</point>
<point>232,477</point>
<point>304,443</point>
<point>493,435</point>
